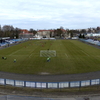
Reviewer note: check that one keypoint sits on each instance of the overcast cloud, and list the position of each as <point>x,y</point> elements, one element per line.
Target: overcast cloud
<point>50,14</point>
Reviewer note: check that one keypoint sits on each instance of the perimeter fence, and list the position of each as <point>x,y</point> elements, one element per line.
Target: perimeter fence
<point>16,97</point>
<point>49,85</point>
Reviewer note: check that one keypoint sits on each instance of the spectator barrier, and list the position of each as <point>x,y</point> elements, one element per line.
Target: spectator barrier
<point>91,41</point>
<point>12,41</point>
<point>49,85</point>
<point>16,97</point>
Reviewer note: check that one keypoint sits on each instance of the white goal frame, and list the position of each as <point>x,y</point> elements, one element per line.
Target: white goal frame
<point>47,53</point>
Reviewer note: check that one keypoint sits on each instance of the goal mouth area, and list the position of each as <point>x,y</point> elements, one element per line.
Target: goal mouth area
<point>47,53</point>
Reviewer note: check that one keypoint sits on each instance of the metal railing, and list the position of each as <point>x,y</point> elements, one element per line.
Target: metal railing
<point>49,85</point>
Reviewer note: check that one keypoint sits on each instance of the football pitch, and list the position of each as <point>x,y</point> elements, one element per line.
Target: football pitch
<point>72,56</point>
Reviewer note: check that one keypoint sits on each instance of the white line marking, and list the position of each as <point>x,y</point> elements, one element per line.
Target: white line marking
<point>14,52</point>
<point>66,55</point>
<point>85,53</point>
<point>32,53</point>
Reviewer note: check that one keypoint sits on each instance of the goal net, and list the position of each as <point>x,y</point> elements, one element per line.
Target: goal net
<point>47,53</point>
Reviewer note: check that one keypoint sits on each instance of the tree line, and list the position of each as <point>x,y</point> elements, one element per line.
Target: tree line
<point>10,31</point>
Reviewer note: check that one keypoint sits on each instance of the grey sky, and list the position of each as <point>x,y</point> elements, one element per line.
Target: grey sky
<point>50,14</point>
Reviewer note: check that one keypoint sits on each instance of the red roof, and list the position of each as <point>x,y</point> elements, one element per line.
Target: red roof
<point>45,30</point>
<point>63,30</point>
<point>51,30</point>
<point>42,30</point>
<point>26,33</point>
<point>24,30</point>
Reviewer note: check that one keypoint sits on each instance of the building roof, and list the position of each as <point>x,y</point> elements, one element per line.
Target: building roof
<point>24,30</point>
<point>26,33</point>
<point>45,30</point>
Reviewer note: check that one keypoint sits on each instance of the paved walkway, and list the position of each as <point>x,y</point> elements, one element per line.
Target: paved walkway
<point>19,97</point>
<point>51,78</point>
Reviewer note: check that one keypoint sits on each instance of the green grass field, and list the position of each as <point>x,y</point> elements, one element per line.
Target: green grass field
<point>72,56</point>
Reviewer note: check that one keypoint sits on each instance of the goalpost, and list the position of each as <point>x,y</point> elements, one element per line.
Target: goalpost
<point>47,53</point>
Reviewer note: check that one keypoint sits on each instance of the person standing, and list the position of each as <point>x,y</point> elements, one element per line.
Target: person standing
<point>48,59</point>
<point>5,58</point>
<point>14,60</point>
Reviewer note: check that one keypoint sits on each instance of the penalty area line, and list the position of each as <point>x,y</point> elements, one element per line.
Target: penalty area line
<point>32,52</point>
<point>30,55</point>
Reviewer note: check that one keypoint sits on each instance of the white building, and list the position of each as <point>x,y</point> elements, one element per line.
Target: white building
<point>93,34</point>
